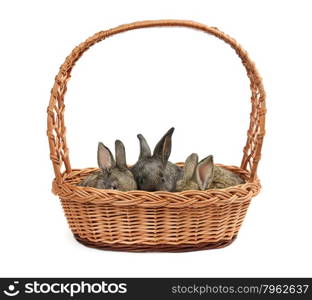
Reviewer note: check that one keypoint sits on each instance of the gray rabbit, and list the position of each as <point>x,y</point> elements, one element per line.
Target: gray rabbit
<point>112,174</point>
<point>205,175</point>
<point>155,172</point>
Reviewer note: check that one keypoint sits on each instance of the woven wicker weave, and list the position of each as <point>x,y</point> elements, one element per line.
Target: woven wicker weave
<point>154,221</point>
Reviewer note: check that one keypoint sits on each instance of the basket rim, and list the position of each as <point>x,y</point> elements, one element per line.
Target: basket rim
<point>69,190</point>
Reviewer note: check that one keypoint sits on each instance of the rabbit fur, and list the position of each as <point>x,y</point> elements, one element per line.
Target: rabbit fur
<point>153,172</point>
<point>112,174</point>
<point>205,175</point>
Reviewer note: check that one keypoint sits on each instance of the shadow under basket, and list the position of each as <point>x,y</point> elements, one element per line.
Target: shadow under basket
<point>160,221</point>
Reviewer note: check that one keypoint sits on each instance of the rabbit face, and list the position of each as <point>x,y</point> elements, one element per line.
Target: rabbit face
<point>116,174</point>
<point>151,175</point>
<point>116,179</point>
<point>205,175</point>
<point>113,174</point>
<point>196,176</point>
<point>188,181</point>
<point>183,185</point>
<point>154,172</point>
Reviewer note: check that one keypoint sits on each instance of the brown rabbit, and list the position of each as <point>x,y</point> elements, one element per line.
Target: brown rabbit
<point>112,174</point>
<point>205,175</point>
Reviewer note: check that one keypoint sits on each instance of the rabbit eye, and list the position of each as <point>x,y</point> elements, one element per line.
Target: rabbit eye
<point>163,180</point>
<point>161,174</point>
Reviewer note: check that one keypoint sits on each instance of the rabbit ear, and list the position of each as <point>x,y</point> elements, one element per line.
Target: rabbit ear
<point>105,158</point>
<point>190,167</point>
<point>120,154</point>
<point>145,150</point>
<point>204,172</point>
<point>163,148</point>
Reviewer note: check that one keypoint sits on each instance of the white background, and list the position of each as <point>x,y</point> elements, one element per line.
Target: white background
<point>147,81</point>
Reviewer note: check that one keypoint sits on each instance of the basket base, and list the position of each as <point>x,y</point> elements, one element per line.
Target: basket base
<point>154,248</point>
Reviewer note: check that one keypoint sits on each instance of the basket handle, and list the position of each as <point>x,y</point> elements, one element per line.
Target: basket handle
<point>56,127</point>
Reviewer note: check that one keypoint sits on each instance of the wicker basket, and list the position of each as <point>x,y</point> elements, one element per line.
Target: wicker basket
<point>154,221</point>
